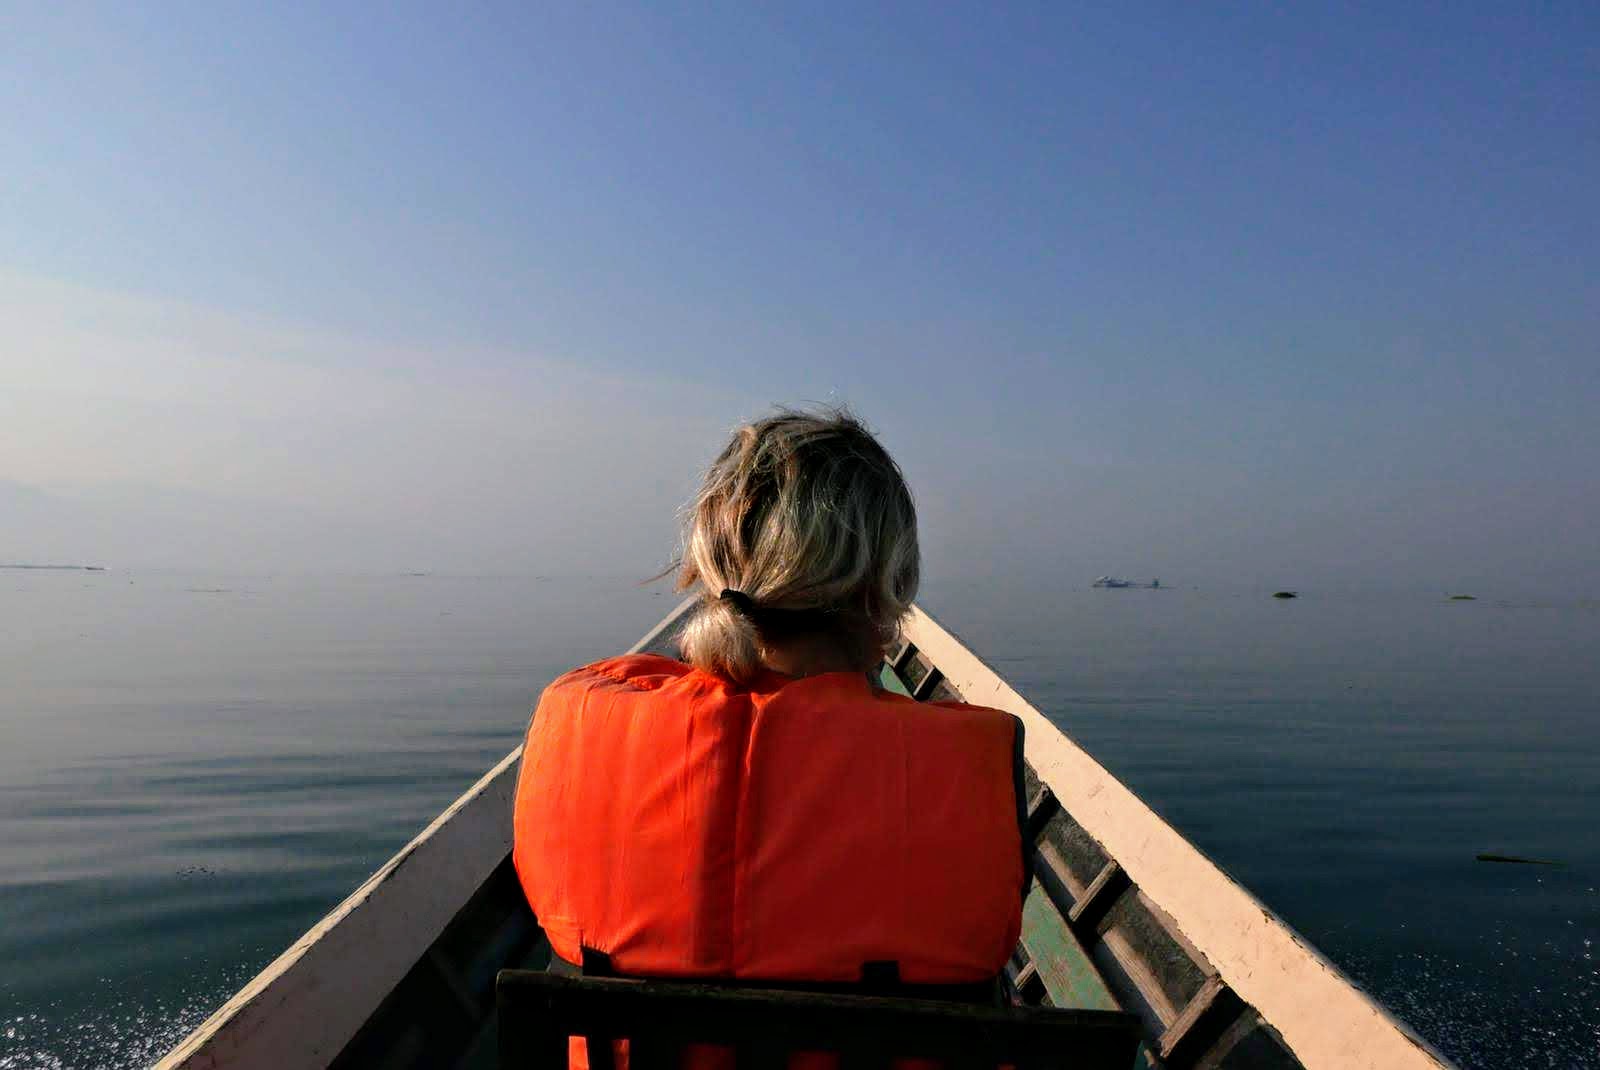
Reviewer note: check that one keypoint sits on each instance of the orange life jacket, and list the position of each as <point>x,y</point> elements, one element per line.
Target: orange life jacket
<point>791,830</point>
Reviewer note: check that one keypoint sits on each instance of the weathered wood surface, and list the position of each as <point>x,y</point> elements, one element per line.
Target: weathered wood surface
<point>1323,1018</point>
<point>1057,958</point>
<point>538,1012</point>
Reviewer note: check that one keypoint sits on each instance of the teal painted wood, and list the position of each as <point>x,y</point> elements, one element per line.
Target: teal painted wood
<point>1064,966</point>
<point>1069,975</point>
<point>891,680</point>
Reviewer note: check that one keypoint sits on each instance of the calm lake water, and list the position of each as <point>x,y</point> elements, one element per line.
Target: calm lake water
<point>194,768</point>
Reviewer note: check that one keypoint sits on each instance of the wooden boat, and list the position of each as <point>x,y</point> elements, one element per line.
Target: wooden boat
<point>1123,913</point>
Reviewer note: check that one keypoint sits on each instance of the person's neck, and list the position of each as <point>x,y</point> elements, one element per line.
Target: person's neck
<point>813,655</point>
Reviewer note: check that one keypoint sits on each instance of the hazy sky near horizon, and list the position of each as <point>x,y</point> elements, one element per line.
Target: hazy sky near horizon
<point>1279,297</point>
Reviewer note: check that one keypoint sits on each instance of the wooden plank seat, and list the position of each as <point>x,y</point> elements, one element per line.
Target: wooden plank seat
<point>538,1012</point>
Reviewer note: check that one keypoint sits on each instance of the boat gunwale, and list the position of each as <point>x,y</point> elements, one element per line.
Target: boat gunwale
<point>1323,1017</point>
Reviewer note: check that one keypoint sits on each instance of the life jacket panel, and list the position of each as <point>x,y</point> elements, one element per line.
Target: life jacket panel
<point>791,830</point>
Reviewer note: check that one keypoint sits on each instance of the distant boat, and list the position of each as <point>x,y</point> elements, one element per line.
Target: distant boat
<point>1112,581</point>
<point>57,568</point>
<point>1463,598</point>
<point>1285,594</point>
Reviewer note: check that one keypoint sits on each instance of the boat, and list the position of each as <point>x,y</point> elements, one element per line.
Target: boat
<point>1111,581</point>
<point>1123,913</point>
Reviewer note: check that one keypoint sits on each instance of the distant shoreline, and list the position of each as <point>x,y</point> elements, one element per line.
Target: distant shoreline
<point>58,568</point>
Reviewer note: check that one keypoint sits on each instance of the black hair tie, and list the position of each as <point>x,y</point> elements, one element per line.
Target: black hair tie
<point>740,601</point>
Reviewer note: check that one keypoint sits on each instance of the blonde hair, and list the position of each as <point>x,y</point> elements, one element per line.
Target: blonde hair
<point>809,519</point>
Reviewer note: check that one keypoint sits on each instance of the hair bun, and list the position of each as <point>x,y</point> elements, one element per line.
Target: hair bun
<point>739,600</point>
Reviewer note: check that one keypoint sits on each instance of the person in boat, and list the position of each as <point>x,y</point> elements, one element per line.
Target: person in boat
<point>762,811</point>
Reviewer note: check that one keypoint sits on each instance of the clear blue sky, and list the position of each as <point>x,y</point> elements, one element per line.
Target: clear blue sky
<point>1260,295</point>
